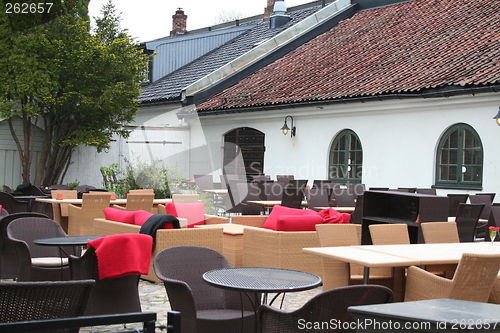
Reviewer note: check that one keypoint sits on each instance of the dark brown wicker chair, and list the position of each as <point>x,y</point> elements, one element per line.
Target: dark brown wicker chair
<point>454,200</point>
<point>39,263</point>
<point>109,296</point>
<point>466,219</point>
<point>13,205</point>
<point>9,264</point>
<point>317,197</point>
<point>325,307</point>
<point>292,197</point>
<point>26,301</point>
<point>204,308</point>
<point>482,199</point>
<point>493,221</point>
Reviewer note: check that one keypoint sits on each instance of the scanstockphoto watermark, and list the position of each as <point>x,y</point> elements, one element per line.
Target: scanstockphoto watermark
<point>390,325</point>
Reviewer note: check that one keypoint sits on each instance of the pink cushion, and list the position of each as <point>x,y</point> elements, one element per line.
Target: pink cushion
<point>141,216</point>
<point>298,223</point>
<point>193,212</point>
<point>119,215</point>
<point>279,210</point>
<point>330,215</point>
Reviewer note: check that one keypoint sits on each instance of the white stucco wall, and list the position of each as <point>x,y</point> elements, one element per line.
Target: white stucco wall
<point>399,137</point>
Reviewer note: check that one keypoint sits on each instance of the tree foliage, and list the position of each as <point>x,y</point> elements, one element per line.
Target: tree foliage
<point>79,87</point>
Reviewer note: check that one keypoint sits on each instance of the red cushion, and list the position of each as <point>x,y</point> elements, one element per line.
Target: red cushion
<point>193,212</point>
<point>330,215</point>
<point>119,215</point>
<point>141,216</point>
<point>298,223</point>
<point>279,210</point>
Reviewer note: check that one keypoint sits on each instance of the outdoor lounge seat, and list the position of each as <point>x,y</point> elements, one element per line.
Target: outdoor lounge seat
<point>13,205</point>
<point>207,237</point>
<point>9,264</point>
<point>204,308</point>
<point>473,280</point>
<point>36,262</point>
<point>327,307</point>
<point>118,294</point>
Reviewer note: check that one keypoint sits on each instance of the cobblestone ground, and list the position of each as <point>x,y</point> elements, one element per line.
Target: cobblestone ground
<point>154,299</point>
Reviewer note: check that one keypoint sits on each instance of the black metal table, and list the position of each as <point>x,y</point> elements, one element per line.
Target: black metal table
<point>433,315</point>
<point>262,280</point>
<point>65,241</point>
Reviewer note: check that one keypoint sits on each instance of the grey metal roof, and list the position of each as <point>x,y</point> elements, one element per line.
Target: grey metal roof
<point>175,52</point>
<point>169,87</point>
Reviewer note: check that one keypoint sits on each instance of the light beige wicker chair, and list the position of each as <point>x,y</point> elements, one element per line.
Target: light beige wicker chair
<point>81,219</point>
<point>495,292</point>
<point>60,211</point>
<point>473,280</point>
<point>142,190</point>
<point>138,201</point>
<point>440,232</point>
<point>334,271</point>
<point>185,198</point>
<point>386,234</point>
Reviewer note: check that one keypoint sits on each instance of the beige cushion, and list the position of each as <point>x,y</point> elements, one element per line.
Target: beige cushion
<point>49,261</point>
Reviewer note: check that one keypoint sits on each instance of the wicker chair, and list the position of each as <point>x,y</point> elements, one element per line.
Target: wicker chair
<point>493,221</point>
<point>110,295</point>
<point>440,232</point>
<point>3,212</point>
<point>13,205</point>
<point>81,219</point>
<point>454,200</point>
<point>386,234</point>
<point>204,308</point>
<point>346,235</point>
<point>323,308</point>
<point>292,196</point>
<point>60,210</point>
<point>26,301</point>
<point>317,197</point>
<point>39,263</point>
<point>138,201</point>
<point>473,280</point>
<point>185,198</point>
<point>466,219</point>
<point>482,199</point>
<point>9,264</point>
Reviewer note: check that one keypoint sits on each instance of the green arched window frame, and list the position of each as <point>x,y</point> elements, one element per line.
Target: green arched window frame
<point>459,159</point>
<point>346,158</point>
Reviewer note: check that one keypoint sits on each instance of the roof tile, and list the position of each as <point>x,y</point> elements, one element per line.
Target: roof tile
<point>403,48</point>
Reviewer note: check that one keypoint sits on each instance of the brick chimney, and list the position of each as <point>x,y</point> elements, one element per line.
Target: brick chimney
<point>178,23</point>
<point>269,9</point>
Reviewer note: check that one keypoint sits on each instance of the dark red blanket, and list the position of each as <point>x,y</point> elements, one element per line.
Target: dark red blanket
<point>330,215</point>
<point>122,254</point>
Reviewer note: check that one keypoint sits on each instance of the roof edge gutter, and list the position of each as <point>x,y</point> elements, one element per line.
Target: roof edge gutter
<point>284,38</point>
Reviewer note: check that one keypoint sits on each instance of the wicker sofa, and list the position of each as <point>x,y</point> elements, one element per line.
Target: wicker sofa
<point>277,249</point>
<point>207,237</point>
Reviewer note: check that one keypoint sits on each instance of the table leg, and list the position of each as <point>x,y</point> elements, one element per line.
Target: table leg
<point>399,278</point>
<point>366,275</point>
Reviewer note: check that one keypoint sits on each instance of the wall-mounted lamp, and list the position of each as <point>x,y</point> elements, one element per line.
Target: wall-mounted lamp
<point>285,127</point>
<point>497,117</point>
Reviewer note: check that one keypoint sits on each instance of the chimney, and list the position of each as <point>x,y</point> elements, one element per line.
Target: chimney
<point>279,18</point>
<point>178,23</point>
<point>269,9</point>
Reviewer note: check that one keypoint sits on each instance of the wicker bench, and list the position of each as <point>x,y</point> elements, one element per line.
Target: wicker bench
<point>278,249</point>
<point>207,237</point>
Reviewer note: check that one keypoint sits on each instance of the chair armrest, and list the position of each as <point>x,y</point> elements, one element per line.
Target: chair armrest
<point>119,207</point>
<point>214,219</point>
<point>421,285</point>
<point>249,220</point>
<point>72,209</point>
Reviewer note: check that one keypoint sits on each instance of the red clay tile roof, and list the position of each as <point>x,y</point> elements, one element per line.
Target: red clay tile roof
<point>403,48</point>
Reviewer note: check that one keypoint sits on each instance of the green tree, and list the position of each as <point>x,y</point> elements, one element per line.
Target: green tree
<point>79,86</point>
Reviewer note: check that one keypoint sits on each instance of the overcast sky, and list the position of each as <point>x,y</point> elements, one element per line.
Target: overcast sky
<point>151,19</point>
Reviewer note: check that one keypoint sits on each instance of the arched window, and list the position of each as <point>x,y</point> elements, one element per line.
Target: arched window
<point>459,160</point>
<point>346,158</point>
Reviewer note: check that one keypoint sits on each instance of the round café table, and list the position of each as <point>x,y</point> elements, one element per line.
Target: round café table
<point>262,280</point>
